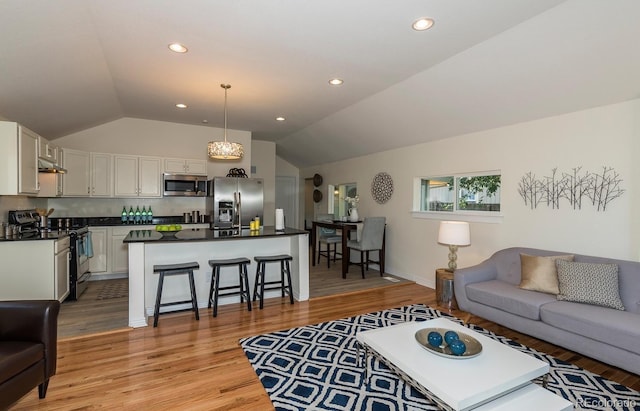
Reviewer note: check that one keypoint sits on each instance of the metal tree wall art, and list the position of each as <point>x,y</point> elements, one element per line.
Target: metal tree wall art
<point>574,187</point>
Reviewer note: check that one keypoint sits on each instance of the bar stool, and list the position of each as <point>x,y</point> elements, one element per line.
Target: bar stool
<point>242,289</point>
<point>283,259</point>
<point>175,269</point>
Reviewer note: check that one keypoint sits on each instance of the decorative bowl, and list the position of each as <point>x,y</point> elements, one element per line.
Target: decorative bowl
<point>168,230</point>
<point>472,347</point>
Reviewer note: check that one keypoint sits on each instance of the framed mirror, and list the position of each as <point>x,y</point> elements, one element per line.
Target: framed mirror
<point>336,195</point>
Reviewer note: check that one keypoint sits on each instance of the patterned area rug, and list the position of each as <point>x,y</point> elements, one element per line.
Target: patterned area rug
<point>316,368</point>
<point>114,289</point>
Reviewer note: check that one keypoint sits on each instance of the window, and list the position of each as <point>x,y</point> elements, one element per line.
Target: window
<point>463,193</point>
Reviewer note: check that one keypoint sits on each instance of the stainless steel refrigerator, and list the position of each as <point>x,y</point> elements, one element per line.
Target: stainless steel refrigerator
<point>234,202</point>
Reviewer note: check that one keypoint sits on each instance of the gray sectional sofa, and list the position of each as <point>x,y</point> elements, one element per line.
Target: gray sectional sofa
<point>491,290</point>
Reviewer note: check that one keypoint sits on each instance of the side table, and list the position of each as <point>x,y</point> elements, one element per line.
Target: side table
<point>444,289</point>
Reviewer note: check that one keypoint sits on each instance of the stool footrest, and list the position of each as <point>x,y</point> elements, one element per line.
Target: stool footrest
<point>175,303</point>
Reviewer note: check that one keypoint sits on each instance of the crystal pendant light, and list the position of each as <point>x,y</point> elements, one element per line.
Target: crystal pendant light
<point>224,150</point>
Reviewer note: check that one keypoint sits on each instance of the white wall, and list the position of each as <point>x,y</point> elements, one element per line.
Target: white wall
<point>159,138</point>
<point>264,161</point>
<point>604,136</point>
<point>286,169</point>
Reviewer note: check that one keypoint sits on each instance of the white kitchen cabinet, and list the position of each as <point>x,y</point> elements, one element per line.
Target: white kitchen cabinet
<point>185,166</point>
<point>62,255</point>
<point>34,270</point>
<point>47,151</point>
<point>75,182</point>
<point>136,176</point>
<point>100,240</point>
<point>101,174</point>
<point>120,251</point>
<point>19,166</point>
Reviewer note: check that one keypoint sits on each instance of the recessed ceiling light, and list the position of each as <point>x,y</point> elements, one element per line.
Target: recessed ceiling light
<point>280,119</point>
<point>205,121</point>
<point>336,81</point>
<point>181,105</point>
<point>178,48</point>
<point>424,23</point>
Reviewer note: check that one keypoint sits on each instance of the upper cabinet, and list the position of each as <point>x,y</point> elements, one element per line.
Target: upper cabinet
<point>76,180</point>
<point>101,175</point>
<point>19,168</point>
<point>137,176</point>
<point>185,166</point>
<point>47,151</point>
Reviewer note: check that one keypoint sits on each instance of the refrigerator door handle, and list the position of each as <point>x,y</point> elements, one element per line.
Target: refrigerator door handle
<point>238,207</point>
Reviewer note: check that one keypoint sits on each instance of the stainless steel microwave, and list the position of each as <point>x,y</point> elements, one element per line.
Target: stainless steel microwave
<point>184,185</point>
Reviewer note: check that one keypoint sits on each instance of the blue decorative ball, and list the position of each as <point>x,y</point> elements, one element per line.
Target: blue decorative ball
<point>450,336</point>
<point>458,347</point>
<point>435,339</point>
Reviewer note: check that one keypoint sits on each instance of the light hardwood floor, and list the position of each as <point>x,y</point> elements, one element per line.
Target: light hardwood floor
<point>198,365</point>
<point>91,315</point>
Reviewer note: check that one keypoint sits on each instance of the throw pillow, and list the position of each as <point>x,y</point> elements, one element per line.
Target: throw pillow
<point>589,283</point>
<point>539,273</point>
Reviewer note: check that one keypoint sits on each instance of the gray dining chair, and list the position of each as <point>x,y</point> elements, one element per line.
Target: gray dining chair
<point>328,236</point>
<point>371,239</point>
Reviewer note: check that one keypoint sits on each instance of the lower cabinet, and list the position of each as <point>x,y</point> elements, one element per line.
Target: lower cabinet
<point>120,251</point>
<point>98,264</point>
<point>62,254</point>
<point>24,277</point>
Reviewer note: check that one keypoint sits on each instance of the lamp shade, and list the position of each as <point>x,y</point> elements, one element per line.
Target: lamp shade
<point>454,233</point>
<point>225,150</point>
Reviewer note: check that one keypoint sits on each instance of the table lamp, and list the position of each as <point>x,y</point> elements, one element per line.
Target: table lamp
<point>453,234</point>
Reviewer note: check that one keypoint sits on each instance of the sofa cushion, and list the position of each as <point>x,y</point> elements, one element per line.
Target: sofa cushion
<point>539,273</point>
<point>508,297</point>
<point>609,326</point>
<point>589,283</point>
<point>16,356</point>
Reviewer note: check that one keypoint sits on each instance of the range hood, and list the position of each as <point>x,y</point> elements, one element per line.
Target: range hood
<point>48,167</point>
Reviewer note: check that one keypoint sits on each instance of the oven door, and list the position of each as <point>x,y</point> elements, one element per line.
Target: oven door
<point>81,252</point>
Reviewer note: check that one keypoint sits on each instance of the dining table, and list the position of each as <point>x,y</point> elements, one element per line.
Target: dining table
<point>346,227</point>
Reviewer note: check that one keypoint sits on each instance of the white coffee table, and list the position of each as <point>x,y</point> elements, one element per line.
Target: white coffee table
<point>498,378</point>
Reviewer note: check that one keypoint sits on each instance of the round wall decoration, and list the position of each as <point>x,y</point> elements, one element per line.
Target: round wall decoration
<point>382,188</point>
<point>317,180</point>
<point>317,196</point>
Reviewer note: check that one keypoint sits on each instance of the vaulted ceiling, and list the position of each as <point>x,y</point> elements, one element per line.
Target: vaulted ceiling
<point>68,65</point>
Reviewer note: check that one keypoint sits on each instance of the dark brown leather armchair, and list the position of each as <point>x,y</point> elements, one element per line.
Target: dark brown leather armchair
<point>28,347</point>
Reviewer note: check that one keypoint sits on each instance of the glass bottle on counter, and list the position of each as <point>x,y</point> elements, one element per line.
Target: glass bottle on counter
<point>150,216</point>
<point>124,216</point>
<point>131,215</point>
<point>143,215</point>
<point>137,215</point>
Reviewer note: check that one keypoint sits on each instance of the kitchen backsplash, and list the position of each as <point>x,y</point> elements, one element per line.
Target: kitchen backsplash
<point>112,207</point>
<point>8,203</point>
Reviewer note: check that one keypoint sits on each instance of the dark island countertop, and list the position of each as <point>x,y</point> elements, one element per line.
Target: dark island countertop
<point>206,234</point>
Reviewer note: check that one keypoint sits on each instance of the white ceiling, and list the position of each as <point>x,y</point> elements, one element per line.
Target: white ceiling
<point>68,65</point>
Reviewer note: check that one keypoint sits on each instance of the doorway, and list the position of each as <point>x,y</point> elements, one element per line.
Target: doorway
<point>287,199</point>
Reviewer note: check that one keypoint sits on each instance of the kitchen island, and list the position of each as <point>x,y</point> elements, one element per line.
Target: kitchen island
<point>149,247</point>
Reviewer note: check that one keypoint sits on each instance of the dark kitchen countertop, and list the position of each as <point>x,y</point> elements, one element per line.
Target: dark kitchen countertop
<point>53,235</point>
<point>206,234</point>
<point>117,221</point>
